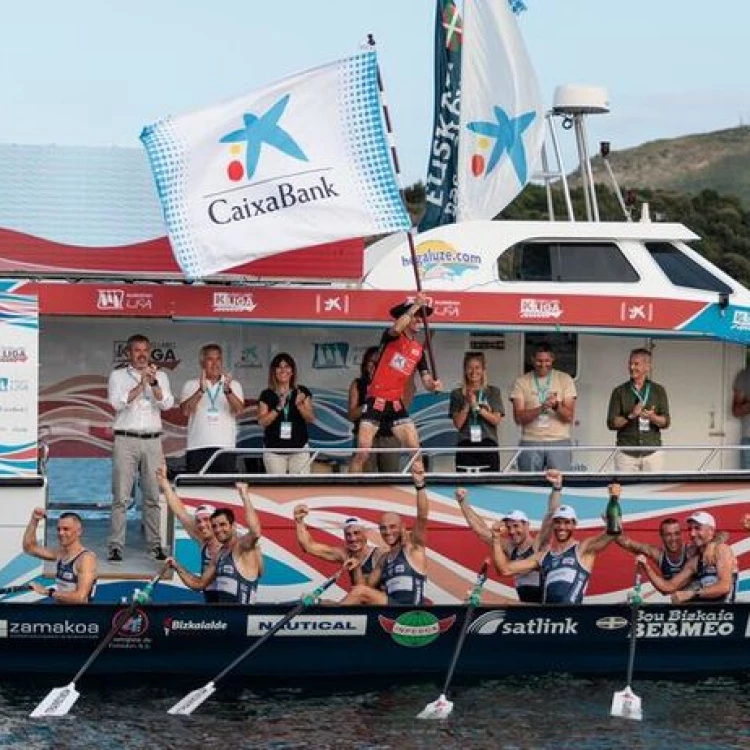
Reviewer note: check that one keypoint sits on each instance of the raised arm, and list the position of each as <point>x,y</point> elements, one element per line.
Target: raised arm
<point>305,406</point>
<point>419,532</point>
<point>477,524</point>
<point>555,478</point>
<point>251,539</point>
<point>595,544</point>
<point>175,504</point>
<point>308,544</point>
<point>30,544</point>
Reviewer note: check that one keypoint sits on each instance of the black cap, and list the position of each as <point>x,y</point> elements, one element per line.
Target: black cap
<point>404,307</point>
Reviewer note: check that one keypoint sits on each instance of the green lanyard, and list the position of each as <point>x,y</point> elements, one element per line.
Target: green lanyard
<point>213,396</point>
<point>541,393</point>
<point>475,410</point>
<point>641,396</point>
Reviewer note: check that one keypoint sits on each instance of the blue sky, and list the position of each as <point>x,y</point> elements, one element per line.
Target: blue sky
<point>93,73</point>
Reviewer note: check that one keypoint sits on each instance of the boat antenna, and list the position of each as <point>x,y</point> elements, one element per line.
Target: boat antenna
<point>604,149</point>
<point>410,233</point>
<point>573,103</point>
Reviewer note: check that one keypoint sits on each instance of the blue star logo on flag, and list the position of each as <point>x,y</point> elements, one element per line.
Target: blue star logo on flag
<point>507,133</point>
<point>264,129</point>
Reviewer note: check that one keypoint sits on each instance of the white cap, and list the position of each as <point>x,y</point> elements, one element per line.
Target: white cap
<point>567,512</point>
<point>204,510</point>
<point>353,522</point>
<point>516,515</point>
<point>703,519</point>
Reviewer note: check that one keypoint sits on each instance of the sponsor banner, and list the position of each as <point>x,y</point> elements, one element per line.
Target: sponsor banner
<point>19,366</point>
<point>416,629</point>
<point>300,162</point>
<point>495,622</point>
<point>371,307</point>
<point>193,626</point>
<point>309,625</point>
<point>685,623</point>
<point>51,628</point>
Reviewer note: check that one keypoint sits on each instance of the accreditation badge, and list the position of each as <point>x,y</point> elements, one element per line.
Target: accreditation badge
<point>285,431</point>
<point>475,433</point>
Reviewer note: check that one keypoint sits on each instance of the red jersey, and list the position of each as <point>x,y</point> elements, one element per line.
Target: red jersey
<point>399,357</point>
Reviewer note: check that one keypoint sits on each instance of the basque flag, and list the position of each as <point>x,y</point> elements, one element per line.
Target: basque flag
<point>300,162</point>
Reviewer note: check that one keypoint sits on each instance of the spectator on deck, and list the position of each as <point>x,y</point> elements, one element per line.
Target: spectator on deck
<point>211,402</point>
<point>138,393</point>
<point>384,437</point>
<point>285,409</point>
<point>741,410</point>
<point>544,405</point>
<point>476,409</point>
<point>75,576</point>
<point>639,411</point>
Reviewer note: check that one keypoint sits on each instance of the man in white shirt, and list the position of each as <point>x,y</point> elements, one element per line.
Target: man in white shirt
<point>138,393</point>
<point>211,403</point>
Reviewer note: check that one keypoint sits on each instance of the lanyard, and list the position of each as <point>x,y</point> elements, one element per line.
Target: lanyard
<point>642,395</point>
<point>475,410</point>
<point>541,393</point>
<point>213,396</point>
<point>285,410</point>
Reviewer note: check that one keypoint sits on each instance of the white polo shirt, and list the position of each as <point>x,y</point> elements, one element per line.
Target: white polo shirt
<point>213,423</point>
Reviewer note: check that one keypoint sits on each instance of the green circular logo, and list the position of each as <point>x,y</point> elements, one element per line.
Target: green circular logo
<point>415,629</point>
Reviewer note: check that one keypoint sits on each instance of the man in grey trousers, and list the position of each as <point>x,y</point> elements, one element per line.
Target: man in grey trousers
<point>138,393</point>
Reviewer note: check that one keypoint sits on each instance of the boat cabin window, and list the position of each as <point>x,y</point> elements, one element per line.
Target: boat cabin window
<point>566,262</point>
<point>682,270</point>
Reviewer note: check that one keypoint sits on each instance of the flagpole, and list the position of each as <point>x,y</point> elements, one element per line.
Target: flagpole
<point>410,233</point>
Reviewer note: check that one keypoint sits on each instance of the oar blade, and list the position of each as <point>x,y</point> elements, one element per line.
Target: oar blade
<point>439,709</point>
<point>188,704</point>
<point>627,705</point>
<point>57,702</point>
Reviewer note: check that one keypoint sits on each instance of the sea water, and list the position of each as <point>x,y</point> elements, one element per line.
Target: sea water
<point>541,712</point>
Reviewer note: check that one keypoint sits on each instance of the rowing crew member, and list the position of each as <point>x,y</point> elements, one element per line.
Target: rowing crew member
<point>197,526</point>
<point>355,546</point>
<point>746,522</point>
<point>700,580</point>
<point>75,579</point>
<point>674,554</point>
<point>402,570</point>
<point>238,564</point>
<point>521,543</point>
<point>565,564</point>
<point>400,355</point>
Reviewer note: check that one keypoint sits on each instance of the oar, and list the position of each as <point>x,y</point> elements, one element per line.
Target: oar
<point>626,703</point>
<point>60,700</point>
<point>185,706</point>
<point>14,589</point>
<point>442,707</point>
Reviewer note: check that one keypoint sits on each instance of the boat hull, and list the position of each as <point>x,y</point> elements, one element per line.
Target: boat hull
<point>200,640</point>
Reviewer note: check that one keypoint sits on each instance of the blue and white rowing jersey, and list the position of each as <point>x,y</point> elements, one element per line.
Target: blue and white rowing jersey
<point>564,578</point>
<point>708,575</point>
<point>66,577</point>
<point>528,585</point>
<point>231,586</point>
<point>670,569</point>
<point>401,582</point>
<point>209,593</point>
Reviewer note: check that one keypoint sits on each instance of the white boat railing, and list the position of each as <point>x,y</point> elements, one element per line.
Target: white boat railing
<point>599,459</point>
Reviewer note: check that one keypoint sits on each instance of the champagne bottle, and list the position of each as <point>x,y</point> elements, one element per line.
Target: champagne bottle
<point>614,515</point>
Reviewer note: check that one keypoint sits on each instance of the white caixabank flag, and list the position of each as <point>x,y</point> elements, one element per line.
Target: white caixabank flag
<point>502,117</point>
<point>301,162</point>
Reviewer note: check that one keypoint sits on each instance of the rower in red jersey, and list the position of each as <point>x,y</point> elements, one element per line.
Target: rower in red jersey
<point>400,355</point>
